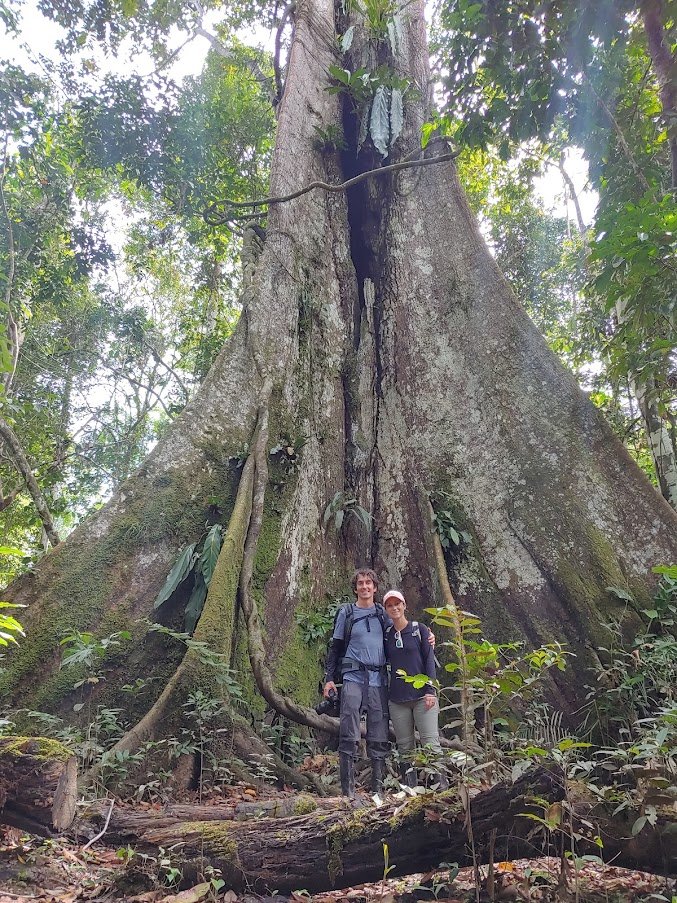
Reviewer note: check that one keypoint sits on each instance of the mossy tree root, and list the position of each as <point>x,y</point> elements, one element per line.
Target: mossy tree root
<point>191,671</point>
<point>255,644</point>
<point>216,626</point>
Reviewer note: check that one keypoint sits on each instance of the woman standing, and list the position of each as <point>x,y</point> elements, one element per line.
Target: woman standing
<point>408,649</point>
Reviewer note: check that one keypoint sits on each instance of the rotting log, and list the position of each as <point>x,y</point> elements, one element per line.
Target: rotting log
<point>38,785</point>
<point>127,824</point>
<point>342,847</point>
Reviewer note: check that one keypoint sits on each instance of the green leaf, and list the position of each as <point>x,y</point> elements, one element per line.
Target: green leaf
<point>195,604</point>
<point>621,593</point>
<point>379,122</point>
<point>668,570</point>
<point>347,39</point>
<point>396,115</point>
<point>638,825</point>
<point>339,74</point>
<point>210,553</point>
<point>177,575</point>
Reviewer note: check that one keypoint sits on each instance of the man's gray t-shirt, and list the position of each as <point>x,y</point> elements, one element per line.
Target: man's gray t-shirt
<point>366,643</point>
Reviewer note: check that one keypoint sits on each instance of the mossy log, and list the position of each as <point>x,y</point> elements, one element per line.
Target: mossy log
<point>324,849</point>
<point>342,847</point>
<point>125,825</point>
<point>38,785</point>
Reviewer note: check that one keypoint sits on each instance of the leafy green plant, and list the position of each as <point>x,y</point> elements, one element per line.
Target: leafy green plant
<point>342,505</point>
<point>10,628</point>
<point>379,98</point>
<point>489,675</point>
<point>447,529</point>
<point>86,651</point>
<point>200,566</point>
<point>329,139</point>
<point>224,675</point>
<point>381,18</point>
<point>638,678</point>
<point>317,624</point>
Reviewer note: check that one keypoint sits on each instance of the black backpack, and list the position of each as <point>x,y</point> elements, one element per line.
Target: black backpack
<point>349,608</point>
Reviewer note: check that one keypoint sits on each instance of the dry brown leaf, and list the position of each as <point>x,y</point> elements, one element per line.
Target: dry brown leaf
<point>192,895</point>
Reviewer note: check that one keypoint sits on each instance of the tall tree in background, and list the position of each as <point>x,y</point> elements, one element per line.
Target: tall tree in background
<point>381,363</point>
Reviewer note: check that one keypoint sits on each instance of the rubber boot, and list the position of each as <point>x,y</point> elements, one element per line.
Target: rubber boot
<point>408,774</point>
<point>377,775</point>
<point>347,775</point>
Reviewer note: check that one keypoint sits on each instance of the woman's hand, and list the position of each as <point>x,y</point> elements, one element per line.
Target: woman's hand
<point>429,701</point>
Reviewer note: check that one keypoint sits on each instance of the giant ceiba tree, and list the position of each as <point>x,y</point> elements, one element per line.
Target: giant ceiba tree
<point>382,350</point>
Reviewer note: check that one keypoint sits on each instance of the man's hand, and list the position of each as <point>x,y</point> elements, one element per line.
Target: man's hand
<point>431,638</point>
<point>429,701</point>
<point>330,685</point>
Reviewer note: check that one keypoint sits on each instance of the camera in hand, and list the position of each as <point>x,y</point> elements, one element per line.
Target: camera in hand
<point>329,706</point>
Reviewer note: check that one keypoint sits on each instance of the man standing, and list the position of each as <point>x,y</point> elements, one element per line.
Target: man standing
<point>356,656</point>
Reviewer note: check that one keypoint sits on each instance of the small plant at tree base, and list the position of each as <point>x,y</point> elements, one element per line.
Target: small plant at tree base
<point>490,676</point>
<point>10,628</point>
<point>87,652</point>
<point>329,139</point>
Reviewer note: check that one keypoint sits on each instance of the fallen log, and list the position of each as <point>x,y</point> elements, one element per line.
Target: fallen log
<point>126,825</point>
<point>341,848</point>
<point>38,785</point>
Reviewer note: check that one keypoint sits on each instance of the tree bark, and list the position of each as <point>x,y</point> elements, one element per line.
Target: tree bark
<point>38,785</point>
<point>344,847</point>
<point>20,461</point>
<point>384,346</point>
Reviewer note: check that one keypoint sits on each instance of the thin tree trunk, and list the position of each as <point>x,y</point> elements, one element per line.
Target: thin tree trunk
<point>20,461</point>
<point>664,62</point>
<point>660,443</point>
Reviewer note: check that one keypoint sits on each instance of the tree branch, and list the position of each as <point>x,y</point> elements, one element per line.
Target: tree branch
<point>625,147</point>
<point>265,81</point>
<point>13,332</point>
<point>574,197</point>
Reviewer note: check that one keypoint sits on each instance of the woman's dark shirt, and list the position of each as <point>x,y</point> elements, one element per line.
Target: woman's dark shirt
<point>416,657</point>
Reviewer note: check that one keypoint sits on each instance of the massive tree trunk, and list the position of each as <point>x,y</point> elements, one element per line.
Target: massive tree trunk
<point>379,340</point>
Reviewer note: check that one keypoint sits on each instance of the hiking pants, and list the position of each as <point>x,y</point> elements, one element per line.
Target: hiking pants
<point>356,698</point>
<point>409,715</point>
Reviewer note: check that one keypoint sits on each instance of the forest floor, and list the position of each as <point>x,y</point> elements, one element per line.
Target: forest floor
<point>61,869</point>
